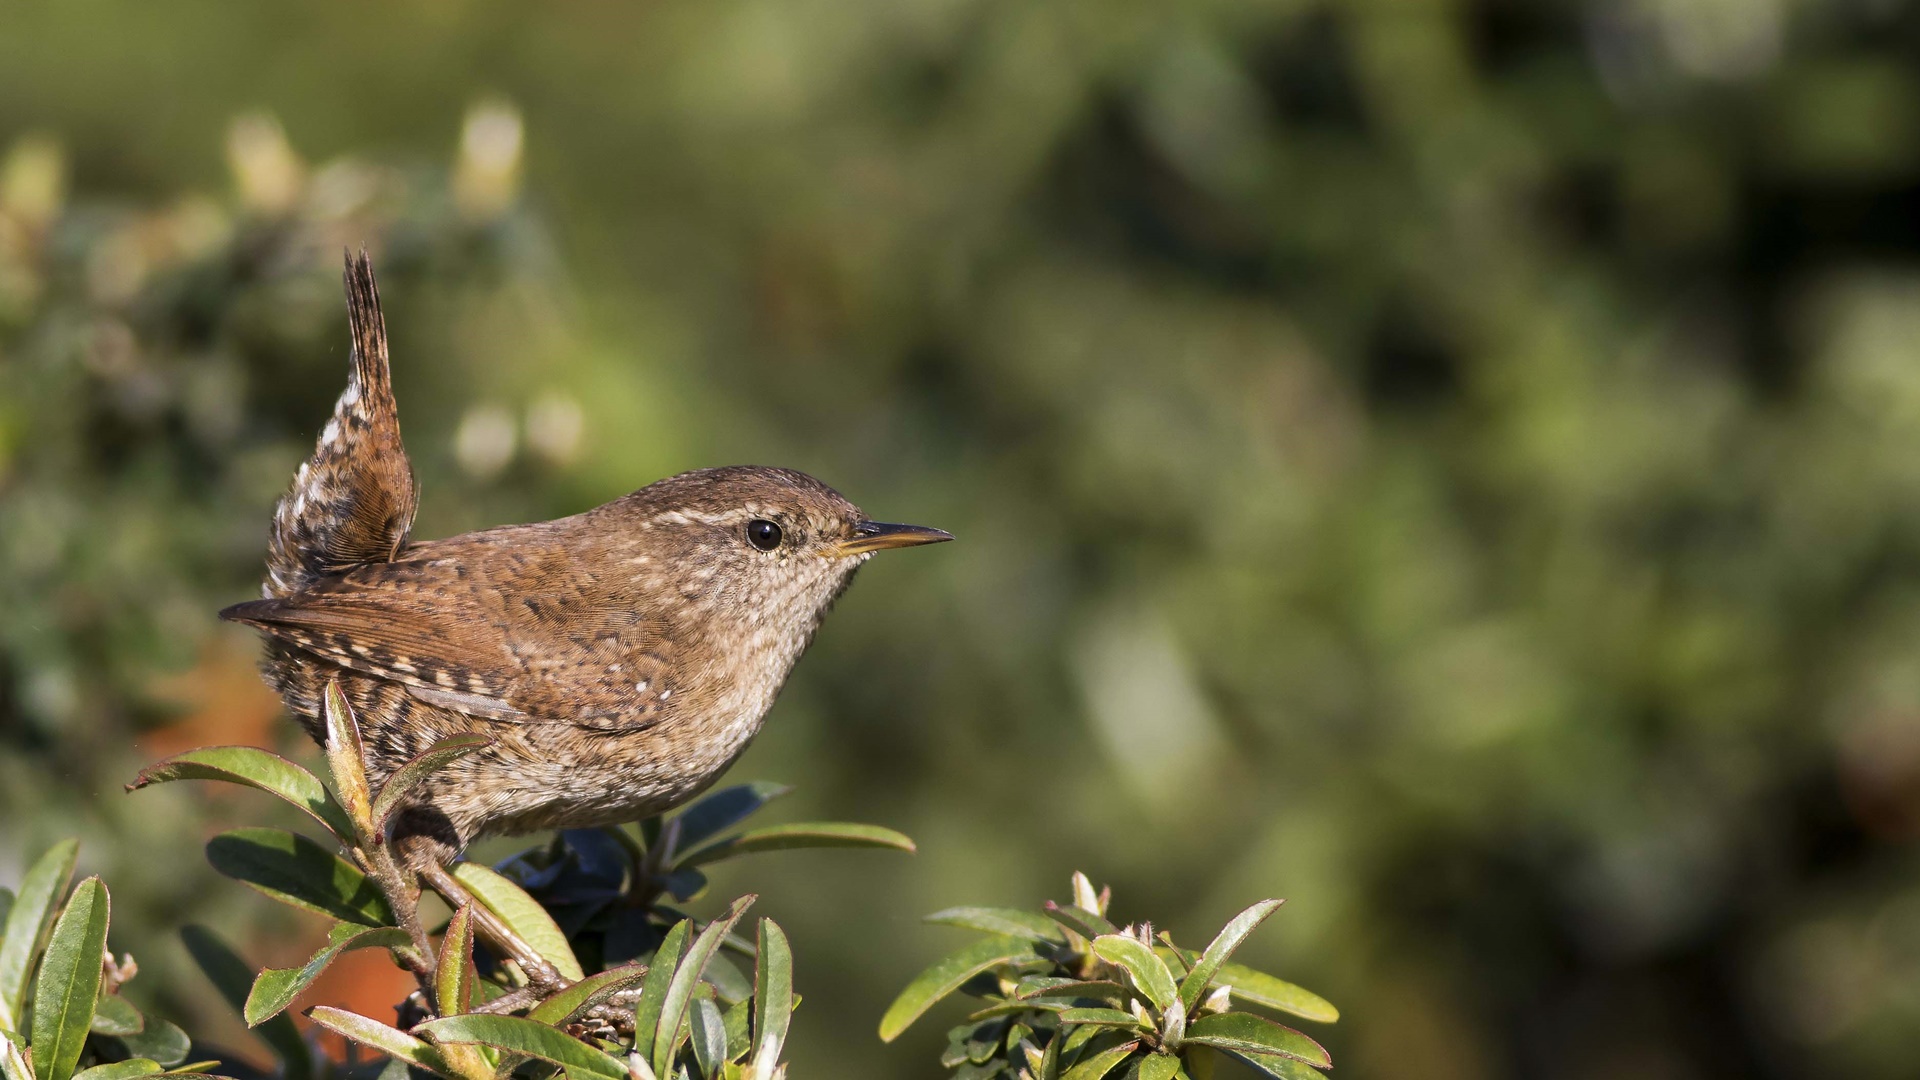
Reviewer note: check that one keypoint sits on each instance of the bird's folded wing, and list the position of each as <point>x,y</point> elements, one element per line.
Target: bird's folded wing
<point>535,658</point>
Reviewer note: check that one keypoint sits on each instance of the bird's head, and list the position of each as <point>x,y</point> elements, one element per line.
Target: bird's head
<point>760,547</point>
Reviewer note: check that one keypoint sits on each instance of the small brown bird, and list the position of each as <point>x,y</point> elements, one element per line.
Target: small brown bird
<point>620,659</point>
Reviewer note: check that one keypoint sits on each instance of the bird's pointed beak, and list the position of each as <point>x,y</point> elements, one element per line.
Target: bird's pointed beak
<point>878,535</point>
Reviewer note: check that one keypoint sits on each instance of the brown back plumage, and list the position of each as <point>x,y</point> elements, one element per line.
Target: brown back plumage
<point>353,501</point>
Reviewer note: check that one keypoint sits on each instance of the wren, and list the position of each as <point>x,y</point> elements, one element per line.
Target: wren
<point>619,659</point>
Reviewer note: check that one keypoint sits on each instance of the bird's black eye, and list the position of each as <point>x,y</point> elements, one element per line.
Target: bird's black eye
<point>763,534</point>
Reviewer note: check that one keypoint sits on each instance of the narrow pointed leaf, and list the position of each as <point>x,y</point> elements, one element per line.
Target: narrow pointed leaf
<point>1246,1033</point>
<point>69,982</point>
<point>724,809</point>
<point>947,975</point>
<point>807,834</point>
<point>1119,1018</point>
<point>673,1008</point>
<point>233,978</point>
<point>1018,1008</point>
<point>1007,922</point>
<point>275,988</point>
<point>347,760</point>
<point>653,992</point>
<point>1070,988</point>
<point>453,978</point>
<point>521,912</point>
<point>27,925</point>
<point>1263,989</point>
<point>388,1040</point>
<point>1149,972</point>
<point>1102,1063</point>
<point>585,994</point>
<point>408,776</point>
<point>115,1015</point>
<point>709,1036</point>
<point>1194,986</point>
<point>1085,923</point>
<point>522,1036</point>
<point>253,767</point>
<point>294,870</point>
<point>121,1070</point>
<point>772,998</point>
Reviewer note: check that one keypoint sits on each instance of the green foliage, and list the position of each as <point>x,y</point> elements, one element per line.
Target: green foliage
<point>505,982</point>
<point>64,1015</point>
<point>1069,996</point>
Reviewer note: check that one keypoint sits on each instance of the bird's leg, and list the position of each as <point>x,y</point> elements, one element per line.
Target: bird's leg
<point>542,977</point>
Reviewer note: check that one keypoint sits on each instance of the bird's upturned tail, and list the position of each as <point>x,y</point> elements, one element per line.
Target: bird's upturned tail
<point>353,500</point>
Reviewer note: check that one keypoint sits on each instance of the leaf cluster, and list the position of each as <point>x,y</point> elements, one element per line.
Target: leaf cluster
<point>1068,995</point>
<point>568,957</point>
<point>61,1013</point>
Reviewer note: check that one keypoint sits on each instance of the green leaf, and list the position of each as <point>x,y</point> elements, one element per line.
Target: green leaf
<point>161,1040</point>
<point>1007,922</point>
<point>1194,986</point>
<point>426,763</point>
<point>453,977</point>
<point>772,998</point>
<point>233,978</point>
<point>12,1065</point>
<point>738,1021</point>
<point>276,988</point>
<point>1020,1008</point>
<point>1149,972</point>
<point>1158,1067</point>
<point>1119,1018</point>
<point>294,870</point>
<point>387,1040</point>
<point>709,1036</point>
<point>69,982</point>
<point>724,809</point>
<point>653,992</point>
<point>673,1007</point>
<point>1263,989</point>
<point>727,981</point>
<point>120,1070</point>
<point>806,834</point>
<point>522,1036</point>
<point>578,997</point>
<point>1070,988</point>
<point>347,760</point>
<point>253,767</point>
<point>1082,922</point>
<point>1102,1063</point>
<point>1285,1068</point>
<point>521,912</point>
<point>1246,1033</point>
<point>947,975</point>
<point>28,921</point>
<point>115,1015</point>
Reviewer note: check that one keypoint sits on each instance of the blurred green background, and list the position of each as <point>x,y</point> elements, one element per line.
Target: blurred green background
<point>1454,464</point>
